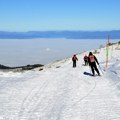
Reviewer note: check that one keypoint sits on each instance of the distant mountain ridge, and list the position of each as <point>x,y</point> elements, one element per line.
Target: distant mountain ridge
<point>114,34</point>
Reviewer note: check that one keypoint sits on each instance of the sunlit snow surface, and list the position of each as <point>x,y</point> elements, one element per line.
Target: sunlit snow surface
<point>61,92</point>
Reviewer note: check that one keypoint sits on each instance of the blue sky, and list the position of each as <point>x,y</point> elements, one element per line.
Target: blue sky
<point>43,15</point>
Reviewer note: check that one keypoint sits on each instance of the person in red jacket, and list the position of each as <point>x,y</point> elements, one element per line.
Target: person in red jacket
<point>74,59</point>
<point>86,59</point>
<point>92,60</point>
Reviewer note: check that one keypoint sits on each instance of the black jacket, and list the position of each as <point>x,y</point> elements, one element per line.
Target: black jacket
<point>90,63</point>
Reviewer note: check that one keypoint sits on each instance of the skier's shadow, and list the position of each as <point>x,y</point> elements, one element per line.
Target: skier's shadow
<point>87,73</point>
<point>84,65</point>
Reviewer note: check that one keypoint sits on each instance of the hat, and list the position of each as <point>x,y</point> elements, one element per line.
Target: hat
<point>90,53</point>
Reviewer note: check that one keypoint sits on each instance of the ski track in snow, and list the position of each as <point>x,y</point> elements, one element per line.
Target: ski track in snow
<point>62,93</point>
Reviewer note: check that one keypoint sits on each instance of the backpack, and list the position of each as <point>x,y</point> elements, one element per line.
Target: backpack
<point>92,59</point>
<point>74,58</point>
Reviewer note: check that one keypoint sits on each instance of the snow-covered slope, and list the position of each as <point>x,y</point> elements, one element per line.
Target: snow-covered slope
<point>60,92</point>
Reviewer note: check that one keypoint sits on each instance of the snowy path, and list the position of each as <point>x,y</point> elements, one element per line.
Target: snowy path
<point>63,93</point>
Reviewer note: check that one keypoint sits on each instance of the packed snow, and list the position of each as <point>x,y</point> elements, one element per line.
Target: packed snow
<point>61,92</point>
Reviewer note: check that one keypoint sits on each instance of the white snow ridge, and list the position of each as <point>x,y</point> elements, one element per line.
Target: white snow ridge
<point>60,92</point>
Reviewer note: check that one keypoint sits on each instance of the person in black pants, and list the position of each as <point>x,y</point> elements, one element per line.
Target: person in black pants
<point>86,60</point>
<point>74,59</point>
<point>92,60</point>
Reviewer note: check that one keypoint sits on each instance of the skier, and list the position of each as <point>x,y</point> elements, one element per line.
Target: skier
<point>92,60</point>
<point>86,59</point>
<point>74,59</point>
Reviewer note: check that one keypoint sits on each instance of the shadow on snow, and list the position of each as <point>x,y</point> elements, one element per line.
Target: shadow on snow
<point>86,73</point>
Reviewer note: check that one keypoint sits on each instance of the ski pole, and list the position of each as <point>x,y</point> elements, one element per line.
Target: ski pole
<point>101,69</point>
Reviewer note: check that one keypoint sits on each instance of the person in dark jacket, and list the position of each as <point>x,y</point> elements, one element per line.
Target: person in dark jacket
<point>92,60</point>
<point>86,60</point>
<point>74,59</point>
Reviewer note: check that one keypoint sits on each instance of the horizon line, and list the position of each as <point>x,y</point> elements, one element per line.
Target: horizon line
<point>61,30</point>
